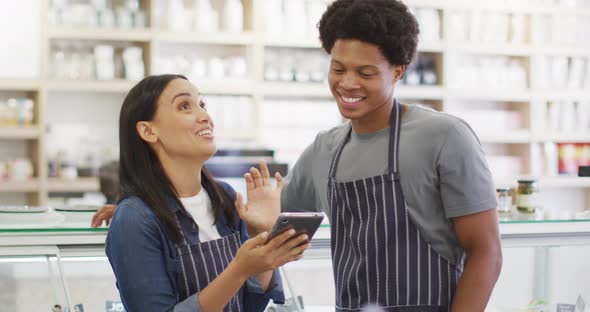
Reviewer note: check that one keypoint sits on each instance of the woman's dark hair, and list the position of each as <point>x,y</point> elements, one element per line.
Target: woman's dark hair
<point>140,171</point>
<point>387,24</point>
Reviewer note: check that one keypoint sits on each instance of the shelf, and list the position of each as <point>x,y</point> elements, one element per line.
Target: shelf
<point>18,85</point>
<point>577,137</point>
<point>114,34</point>
<point>420,92</point>
<point>222,38</point>
<point>18,133</point>
<point>282,42</point>
<point>512,137</point>
<point>506,49</point>
<point>296,89</point>
<point>564,50</point>
<point>550,182</point>
<point>571,95</point>
<point>503,95</point>
<point>110,86</point>
<point>90,184</point>
<point>17,186</point>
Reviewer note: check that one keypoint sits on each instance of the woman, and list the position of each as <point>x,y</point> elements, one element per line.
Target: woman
<point>176,241</point>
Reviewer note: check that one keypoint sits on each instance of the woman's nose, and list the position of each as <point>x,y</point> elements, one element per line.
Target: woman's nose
<point>203,116</point>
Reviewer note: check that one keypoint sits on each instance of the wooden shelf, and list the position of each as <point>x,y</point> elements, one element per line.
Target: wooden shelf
<point>19,85</point>
<point>221,38</point>
<point>90,184</point>
<point>17,186</point>
<point>110,86</point>
<point>18,133</point>
<point>115,34</point>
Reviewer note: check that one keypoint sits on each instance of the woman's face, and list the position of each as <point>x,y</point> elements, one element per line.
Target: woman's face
<point>362,82</point>
<point>182,126</point>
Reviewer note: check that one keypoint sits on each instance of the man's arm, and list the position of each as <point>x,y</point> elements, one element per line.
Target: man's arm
<point>478,235</point>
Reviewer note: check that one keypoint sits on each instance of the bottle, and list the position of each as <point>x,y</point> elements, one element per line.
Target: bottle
<point>526,198</point>
<point>205,19</point>
<point>504,200</point>
<point>233,16</point>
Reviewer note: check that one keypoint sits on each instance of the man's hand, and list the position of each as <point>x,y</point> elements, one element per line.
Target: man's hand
<point>105,213</point>
<point>264,201</point>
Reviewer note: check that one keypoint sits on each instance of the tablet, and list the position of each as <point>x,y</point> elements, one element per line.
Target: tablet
<point>302,222</point>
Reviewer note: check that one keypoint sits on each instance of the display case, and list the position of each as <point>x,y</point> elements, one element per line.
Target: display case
<point>56,258</point>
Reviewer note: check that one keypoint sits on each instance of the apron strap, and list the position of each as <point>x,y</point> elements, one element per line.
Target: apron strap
<point>394,134</point>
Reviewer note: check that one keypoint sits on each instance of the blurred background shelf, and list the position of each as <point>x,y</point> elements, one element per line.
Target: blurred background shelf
<point>220,38</point>
<point>19,85</point>
<point>100,34</point>
<point>17,186</point>
<point>106,86</point>
<point>90,184</point>
<point>17,133</point>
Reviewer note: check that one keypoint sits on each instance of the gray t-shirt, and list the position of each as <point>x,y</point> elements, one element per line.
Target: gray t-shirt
<point>443,172</point>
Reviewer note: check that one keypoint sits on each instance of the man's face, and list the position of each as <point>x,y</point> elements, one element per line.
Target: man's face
<point>362,82</point>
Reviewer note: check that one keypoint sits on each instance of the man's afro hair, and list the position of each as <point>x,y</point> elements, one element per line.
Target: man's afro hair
<point>387,24</point>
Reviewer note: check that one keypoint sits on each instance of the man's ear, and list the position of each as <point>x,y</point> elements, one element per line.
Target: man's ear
<point>398,72</point>
<point>147,132</point>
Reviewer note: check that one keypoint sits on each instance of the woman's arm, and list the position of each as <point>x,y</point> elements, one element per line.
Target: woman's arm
<point>135,249</point>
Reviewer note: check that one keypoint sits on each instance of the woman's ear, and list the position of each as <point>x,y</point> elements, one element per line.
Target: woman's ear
<point>147,132</point>
<point>398,72</point>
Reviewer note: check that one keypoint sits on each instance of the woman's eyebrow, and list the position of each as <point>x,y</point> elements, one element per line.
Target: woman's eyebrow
<point>179,95</point>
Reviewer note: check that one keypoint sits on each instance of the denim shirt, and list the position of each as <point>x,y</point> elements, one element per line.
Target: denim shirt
<point>146,263</point>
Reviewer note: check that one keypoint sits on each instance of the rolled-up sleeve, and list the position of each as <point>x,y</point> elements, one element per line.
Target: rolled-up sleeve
<point>136,251</point>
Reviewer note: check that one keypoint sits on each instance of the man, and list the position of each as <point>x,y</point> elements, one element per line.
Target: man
<point>407,190</point>
<point>408,193</point>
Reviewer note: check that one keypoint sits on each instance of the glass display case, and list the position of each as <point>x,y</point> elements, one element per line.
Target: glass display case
<point>54,257</point>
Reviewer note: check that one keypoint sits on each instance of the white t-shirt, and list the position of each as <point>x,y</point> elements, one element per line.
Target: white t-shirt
<point>200,208</point>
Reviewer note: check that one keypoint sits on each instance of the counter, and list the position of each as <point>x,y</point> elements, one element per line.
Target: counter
<point>69,250</point>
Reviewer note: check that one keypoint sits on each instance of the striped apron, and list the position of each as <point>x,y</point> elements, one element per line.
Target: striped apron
<point>201,263</point>
<point>379,257</point>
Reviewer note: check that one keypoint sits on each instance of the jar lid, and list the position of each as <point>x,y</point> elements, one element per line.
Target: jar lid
<point>527,181</point>
<point>503,189</point>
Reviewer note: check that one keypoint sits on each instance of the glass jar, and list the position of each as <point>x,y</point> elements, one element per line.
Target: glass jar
<point>526,195</point>
<point>504,200</point>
